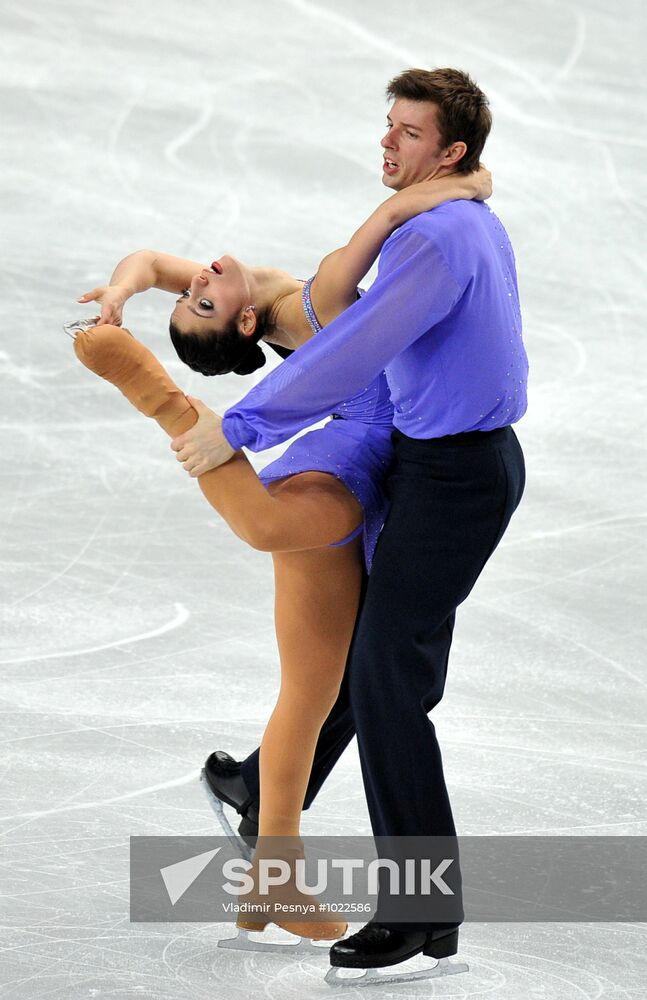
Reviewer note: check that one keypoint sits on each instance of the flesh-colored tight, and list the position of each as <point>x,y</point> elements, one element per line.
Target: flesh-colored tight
<point>317,588</point>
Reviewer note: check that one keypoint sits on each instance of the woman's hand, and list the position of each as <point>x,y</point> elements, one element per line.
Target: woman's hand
<point>482,181</point>
<point>475,186</point>
<point>112,299</point>
<point>428,194</point>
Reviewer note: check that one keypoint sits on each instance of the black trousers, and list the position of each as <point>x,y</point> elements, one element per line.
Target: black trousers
<point>451,500</point>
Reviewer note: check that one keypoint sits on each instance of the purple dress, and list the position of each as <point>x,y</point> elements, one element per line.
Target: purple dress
<point>355,445</point>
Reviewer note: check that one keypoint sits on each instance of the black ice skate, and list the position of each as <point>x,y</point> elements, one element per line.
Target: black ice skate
<point>225,785</point>
<point>375,947</point>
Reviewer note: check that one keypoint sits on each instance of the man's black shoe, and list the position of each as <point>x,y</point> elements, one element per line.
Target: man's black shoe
<point>375,946</point>
<point>223,776</point>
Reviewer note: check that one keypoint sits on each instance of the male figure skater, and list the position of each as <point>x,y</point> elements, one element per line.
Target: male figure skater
<point>443,319</point>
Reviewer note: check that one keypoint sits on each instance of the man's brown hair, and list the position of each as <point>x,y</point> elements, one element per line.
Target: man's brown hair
<point>463,109</point>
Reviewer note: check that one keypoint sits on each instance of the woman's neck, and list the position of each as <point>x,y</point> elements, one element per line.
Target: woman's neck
<point>269,287</point>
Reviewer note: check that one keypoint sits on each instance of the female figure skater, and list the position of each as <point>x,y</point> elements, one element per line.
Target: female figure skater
<point>309,507</point>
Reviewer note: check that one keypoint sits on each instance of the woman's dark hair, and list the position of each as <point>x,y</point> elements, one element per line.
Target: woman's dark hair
<point>463,109</point>
<point>217,352</point>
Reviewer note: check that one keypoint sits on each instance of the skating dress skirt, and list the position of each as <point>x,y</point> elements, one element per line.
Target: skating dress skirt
<point>355,446</point>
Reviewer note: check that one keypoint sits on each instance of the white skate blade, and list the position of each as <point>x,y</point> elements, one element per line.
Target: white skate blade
<point>373,977</point>
<point>242,849</point>
<point>302,946</point>
<point>72,329</point>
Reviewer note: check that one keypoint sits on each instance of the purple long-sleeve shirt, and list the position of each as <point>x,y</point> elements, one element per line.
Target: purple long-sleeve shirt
<point>442,318</point>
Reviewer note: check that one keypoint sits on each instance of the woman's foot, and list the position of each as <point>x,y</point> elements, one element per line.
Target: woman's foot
<point>114,354</point>
<point>280,902</point>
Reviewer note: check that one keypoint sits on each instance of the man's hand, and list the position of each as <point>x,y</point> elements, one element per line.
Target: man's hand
<point>204,447</point>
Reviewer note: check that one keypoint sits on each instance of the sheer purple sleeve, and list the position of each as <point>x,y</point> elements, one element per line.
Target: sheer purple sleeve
<point>413,291</point>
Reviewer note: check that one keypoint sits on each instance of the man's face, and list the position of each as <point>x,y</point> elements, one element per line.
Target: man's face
<point>412,150</point>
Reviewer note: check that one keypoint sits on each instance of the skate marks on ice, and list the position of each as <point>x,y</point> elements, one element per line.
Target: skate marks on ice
<point>543,961</point>
<point>180,617</point>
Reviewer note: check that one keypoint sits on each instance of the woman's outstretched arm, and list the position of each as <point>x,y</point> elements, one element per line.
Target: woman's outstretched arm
<point>138,272</point>
<point>335,285</point>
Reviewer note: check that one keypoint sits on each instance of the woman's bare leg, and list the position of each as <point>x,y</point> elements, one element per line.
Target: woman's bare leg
<point>317,598</point>
<point>315,510</point>
<point>317,588</point>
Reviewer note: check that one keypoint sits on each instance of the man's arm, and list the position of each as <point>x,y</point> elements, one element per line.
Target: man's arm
<point>413,292</point>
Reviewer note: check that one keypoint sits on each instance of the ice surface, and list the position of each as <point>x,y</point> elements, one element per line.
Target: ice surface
<point>137,630</point>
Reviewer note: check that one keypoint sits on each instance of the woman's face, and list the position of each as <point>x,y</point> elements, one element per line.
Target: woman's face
<point>215,296</point>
